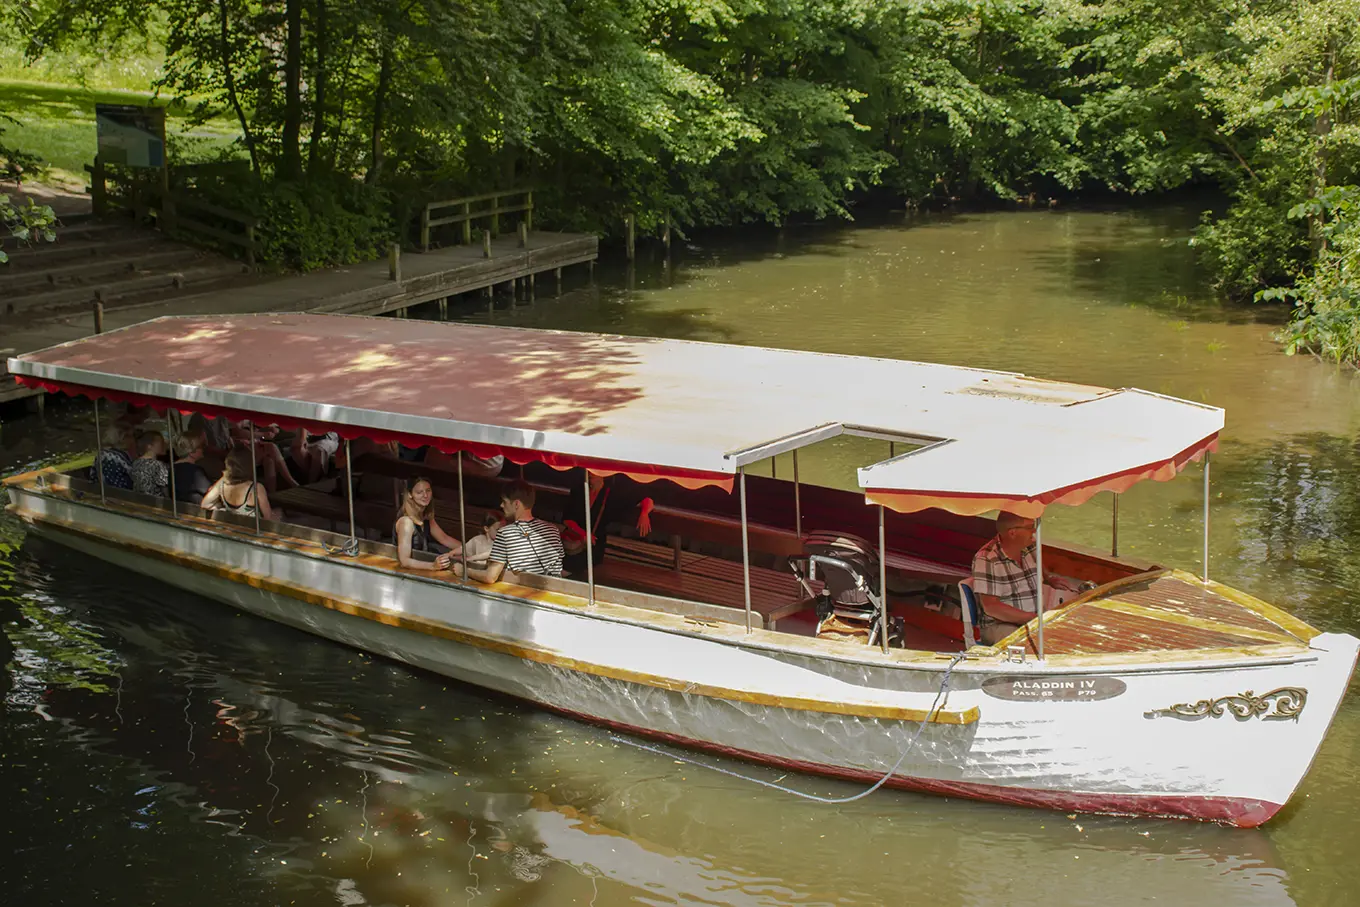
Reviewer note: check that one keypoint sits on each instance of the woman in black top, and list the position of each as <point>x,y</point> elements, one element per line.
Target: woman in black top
<point>416,529</point>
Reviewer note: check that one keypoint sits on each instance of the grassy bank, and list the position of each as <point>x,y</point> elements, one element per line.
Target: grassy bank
<point>56,122</point>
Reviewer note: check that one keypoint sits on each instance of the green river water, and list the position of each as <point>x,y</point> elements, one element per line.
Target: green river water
<point>156,748</point>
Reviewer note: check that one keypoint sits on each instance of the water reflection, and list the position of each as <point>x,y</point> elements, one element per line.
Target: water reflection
<point>189,753</point>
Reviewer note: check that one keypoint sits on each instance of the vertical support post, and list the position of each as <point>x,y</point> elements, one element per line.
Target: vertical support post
<point>883,576</point>
<point>462,517</point>
<point>495,215</point>
<point>1039,580</point>
<point>99,191</point>
<point>1114,526</point>
<point>99,450</point>
<point>443,308</point>
<point>349,497</point>
<point>394,262</point>
<point>774,467</point>
<point>486,243</point>
<point>254,476</point>
<point>558,272</point>
<point>529,210</point>
<point>590,545</point>
<point>425,229</point>
<point>628,244</point>
<point>250,245</point>
<point>98,306</point>
<point>1206,516</point>
<point>797,499</point>
<point>892,449</point>
<point>745,549</point>
<point>170,430</point>
<point>666,234</point>
<point>523,235</point>
<point>467,223</point>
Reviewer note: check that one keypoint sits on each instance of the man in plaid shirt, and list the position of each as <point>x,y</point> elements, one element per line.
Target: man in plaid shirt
<point>1004,578</point>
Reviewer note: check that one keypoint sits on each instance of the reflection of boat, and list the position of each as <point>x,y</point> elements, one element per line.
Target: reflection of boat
<point>1156,693</point>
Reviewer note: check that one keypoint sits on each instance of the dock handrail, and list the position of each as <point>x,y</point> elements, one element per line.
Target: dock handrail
<point>145,197</point>
<point>467,213</point>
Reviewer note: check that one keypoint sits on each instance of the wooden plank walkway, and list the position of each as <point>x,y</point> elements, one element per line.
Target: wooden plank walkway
<point>359,289</point>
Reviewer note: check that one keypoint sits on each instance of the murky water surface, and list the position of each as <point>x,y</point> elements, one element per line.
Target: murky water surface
<point>156,748</point>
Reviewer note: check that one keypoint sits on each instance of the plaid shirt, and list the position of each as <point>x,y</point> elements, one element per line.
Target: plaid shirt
<point>996,574</point>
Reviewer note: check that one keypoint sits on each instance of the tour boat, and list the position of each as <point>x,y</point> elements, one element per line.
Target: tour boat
<point>763,618</point>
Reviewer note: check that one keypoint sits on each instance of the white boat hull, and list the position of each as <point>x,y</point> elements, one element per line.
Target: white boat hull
<point>1099,740</point>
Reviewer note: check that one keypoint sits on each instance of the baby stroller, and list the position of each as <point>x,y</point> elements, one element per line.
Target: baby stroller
<point>850,603</point>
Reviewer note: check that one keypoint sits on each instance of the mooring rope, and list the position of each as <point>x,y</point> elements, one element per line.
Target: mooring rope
<point>930,715</point>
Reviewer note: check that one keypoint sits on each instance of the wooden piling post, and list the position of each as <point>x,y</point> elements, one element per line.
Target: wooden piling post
<point>443,308</point>
<point>486,243</point>
<point>98,312</point>
<point>467,223</point>
<point>628,245</point>
<point>523,235</point>
<point>250,245</point>
<point>425,229</point>
<point>531,287</point>
<point>394,262</point>
<point>559,281</point>
<point>666,234</point>
<point>529,210</point>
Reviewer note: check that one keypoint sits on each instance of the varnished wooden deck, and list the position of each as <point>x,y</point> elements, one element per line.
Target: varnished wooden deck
<point>1167,612</point>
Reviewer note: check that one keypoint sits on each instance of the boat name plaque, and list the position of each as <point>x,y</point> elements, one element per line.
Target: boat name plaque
<point>1054,689</point>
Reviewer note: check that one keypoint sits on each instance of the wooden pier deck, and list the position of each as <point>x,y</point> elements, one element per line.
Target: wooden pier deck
<point>360,289</point>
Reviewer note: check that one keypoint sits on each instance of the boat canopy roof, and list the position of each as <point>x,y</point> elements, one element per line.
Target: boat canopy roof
<point>652,408</point>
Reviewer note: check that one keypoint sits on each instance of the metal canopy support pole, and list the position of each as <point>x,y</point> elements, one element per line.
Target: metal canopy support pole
<point>1039,579</point>
<point>797,500</point>
<point>892,449</point>
<point>349,499</point>
<point>1114,527</point>
<point>462,516</point>
<point>254,476</point>
<point>170,430</point>
<point>774,467</point>
<point>883,575</point>
<point>590,546</point>
<point>1206,516</point>
<point>745,548</point>
<point>99,452</point>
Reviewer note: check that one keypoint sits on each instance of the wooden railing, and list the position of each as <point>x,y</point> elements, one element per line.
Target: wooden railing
<point>173,210</point>
<point>475,207</point>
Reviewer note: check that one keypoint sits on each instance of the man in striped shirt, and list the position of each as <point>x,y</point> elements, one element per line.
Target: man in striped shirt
<point>524,544</point>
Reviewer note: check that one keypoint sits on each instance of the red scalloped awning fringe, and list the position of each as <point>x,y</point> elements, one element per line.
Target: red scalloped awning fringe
<point>639,472</point>
<point>970,504</point>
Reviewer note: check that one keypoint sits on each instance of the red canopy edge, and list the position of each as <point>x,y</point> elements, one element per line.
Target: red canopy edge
<point>639,472</point>
<point>973,504</point>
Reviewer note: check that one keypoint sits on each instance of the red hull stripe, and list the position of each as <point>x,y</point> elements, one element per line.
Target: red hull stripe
<point>1242,812</point>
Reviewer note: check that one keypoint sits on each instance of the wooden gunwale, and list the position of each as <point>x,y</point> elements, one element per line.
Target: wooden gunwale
<point>514,648</point>
<point>981,659</point>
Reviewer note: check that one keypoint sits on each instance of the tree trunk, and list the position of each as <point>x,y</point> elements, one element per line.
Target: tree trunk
<point>318,135</point>
<point>380,108</point>
<point>290,163</point>
<point>229,75</point>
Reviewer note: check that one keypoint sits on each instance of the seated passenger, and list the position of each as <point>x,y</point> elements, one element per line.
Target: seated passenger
<point>237,491</point>
<point>310,456</point>
<point>113,460</point>
<point>612,499</point>
<point>149,474</point>
<point>1004,579</point>
<point>416,529</point>
<point>524,544</point>
<point>191,482</point>
<point>268,458</point>
<point>478,549</point>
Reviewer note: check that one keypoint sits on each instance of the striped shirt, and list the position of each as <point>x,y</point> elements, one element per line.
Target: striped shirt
<point>529,546</point>
<point>994,573</point>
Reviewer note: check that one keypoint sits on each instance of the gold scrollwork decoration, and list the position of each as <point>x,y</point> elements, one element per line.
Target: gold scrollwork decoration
<point>1285,702</point>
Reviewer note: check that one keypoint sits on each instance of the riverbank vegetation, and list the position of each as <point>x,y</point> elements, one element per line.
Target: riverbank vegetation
<point>726,112</point>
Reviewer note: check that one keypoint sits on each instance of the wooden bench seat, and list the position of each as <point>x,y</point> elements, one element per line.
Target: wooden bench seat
<point>647,567</point>
<point>332,507</point>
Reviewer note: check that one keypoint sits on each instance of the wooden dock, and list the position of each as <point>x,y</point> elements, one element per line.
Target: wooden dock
<point>368,288</point>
